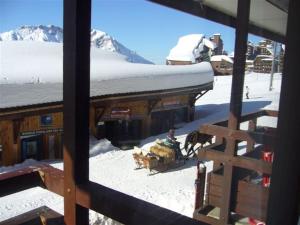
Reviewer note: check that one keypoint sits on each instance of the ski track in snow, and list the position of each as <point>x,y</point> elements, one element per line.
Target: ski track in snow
<point>173,189</point>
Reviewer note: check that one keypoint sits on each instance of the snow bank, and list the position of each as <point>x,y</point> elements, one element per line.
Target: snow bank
<point>35,69</point>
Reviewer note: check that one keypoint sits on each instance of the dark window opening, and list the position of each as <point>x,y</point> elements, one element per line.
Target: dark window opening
<point>162,121</point>
<point>31,147</point>
<point>121,133</point>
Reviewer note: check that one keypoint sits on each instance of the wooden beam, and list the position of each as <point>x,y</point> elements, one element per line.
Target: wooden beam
<point>238,74</point>
<point>116,205</point>
<point>239,135</point>
<point>149,95</point>
<point>39,216</point>
<point>251,127</point>
<point>283,207</point>
<point>76,92</point>
<point>19,180</point>
<point>127,209</point>
<point>237,161</point>
<point>273,113</point>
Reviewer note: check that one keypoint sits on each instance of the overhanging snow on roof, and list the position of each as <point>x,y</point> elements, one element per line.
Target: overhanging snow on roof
<point>32,73</point>
<point>217,58</point>
<point>189,48</point>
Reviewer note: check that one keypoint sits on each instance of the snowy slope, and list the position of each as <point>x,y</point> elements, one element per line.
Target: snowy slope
<point>53,33</point>
<point>173,189</point>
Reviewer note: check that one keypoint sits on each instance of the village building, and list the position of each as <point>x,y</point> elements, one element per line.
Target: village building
<point>190,49</point>
<point>127,104</point>
<point>262,64</point>
<point>249,65</point>
<point>222,64</point>
<point>217,40</point>
<point>250,51</point>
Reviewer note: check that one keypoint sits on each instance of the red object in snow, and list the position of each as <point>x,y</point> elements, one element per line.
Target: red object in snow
<point>255,222</point>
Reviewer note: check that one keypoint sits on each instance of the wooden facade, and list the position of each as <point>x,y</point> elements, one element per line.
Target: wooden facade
<point>222,67</point>
<point>262,64</point>
<point>36,131</point>
<point>31,137</point>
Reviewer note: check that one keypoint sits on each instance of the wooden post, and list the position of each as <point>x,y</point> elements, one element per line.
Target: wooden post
<point>146,126</point>
<point>76,87</point>
<point>200,186</point>
<point>93,127</point>
<point>235,101</point>
<point>251,127</point>
<point>283,206</point>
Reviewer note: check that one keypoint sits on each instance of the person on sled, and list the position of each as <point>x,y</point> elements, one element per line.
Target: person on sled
<point>171,142</point>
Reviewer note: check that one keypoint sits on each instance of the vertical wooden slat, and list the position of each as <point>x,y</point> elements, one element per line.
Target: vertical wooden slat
<point>76,85</point>
<point>251,127</point>
<point>238,73</point>
<point>283,206</point>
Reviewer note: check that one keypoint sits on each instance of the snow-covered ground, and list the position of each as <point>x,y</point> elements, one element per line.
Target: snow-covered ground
<point>172,189</point>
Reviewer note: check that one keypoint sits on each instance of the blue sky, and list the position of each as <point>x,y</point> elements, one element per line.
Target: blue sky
<point>147,28</point>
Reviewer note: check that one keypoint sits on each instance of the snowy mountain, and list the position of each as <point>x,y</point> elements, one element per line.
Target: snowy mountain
<point>53,33</point>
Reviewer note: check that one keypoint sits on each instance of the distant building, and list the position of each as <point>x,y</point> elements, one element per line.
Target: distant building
<point>262,56</point>
<point>249,65</point>
<point>263,64</point>
<point>222,64</point>
<point>190,49</point>
<point>250,51</point>
<point>216,38</point>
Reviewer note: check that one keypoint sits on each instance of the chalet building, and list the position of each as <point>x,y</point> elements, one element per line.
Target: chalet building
<point>222,64</point>
<point>262,64</point>
<point>264,51</point>
<point>250,51</point>
<point>249,65</point>
<point>191,49</point>
<point>216,39</point>
<point>127,104</point>
<point>262,55</point>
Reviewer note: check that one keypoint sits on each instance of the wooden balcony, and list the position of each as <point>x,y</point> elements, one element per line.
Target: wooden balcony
<point>248,197</point>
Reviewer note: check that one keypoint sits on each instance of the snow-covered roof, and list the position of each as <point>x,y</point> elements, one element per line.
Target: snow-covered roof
<point>32,73</point>
<point>209,43</point>
<point>189,47</point>
<point>263,56</point>
<point>217,58</point>
<point>267,59</point>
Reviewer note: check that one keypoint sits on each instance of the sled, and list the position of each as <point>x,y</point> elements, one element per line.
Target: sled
<point>159,158</point>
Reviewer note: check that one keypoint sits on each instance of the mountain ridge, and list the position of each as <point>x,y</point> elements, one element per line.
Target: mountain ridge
<point>52,33</point>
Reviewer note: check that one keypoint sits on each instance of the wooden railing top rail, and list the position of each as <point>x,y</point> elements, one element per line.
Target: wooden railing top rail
<point>251,116</point>
<point>241,135</point>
